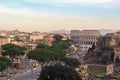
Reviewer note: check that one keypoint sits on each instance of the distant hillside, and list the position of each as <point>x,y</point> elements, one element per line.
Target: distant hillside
<point>102,31</point>
<point>60,31</point>
<point>105,31</point>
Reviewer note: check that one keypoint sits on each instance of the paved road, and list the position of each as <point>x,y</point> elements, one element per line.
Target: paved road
<point>28,75</point>
<point>74,55</point>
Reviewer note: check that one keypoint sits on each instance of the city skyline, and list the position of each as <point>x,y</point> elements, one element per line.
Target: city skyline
<point>49,15</point>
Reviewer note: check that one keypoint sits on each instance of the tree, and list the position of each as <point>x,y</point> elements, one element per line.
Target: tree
<point>5,60</point>
<point>72,62</point>
<point>4,63</point>
<point>62,45</point>
<point>112,56</point>
<point>42,46</point>
<point>108,48</point>
<point>46,55</point>
<point>99,53</point>
<point>59,43</point>
<point>7,46</point>
<point>12,50</point>
<point>2,66</point>
<point>93,46</point>
<point>105,59</point>
<point>117,59</point>
<point>59,72</point>
<point>58,38</point>
<point>66,44</point>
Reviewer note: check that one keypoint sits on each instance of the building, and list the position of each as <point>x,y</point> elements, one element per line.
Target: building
<point>35,37</point>
<point>97,69</point>
<point>4,33</point>
<point>3,40</point>
<point>116,53</point>
<point>30,46</point>
<point>84,39</point>
<point>110,39</point>
<point>65,36</point>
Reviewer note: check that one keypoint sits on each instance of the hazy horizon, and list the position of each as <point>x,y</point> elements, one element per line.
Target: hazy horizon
<point>50,15</point>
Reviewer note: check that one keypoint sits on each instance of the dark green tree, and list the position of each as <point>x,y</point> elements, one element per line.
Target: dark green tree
<point>13,51</point>
<point>59,43</point>
<point>99,53</point>
<point>117,59</point>
<point>93,46</point>
<point>62,45</point>
<point>2,67</point>
<point>66,44</point>
<point>72,62</point>
<point>112,56</point>
<point>58,38</point>
<point>105,59</point>
<point>7,46</point>
<point>42,46</point>
<point>59,72</point>
<point>46,55</point>
<point>5,60</point>
<point>107,48</point>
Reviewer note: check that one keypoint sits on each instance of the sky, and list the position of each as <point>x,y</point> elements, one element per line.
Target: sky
<point>49,15</point>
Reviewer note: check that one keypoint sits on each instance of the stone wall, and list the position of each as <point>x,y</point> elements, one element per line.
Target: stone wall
<point>110,39</point>
<point>98,69</point>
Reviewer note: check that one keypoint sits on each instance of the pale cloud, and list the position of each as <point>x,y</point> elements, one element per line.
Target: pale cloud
<point>80,1</point>
<point>100,3</point>
<point>12,11</point>
<point>73,1</point>
<point>24,12</point>
<point>29,20</point>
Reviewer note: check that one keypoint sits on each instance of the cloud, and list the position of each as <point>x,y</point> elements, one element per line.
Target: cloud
<point>65,3</point>
<point>48,20</point>
<point>13,11</point>
<point>24,12</point>
<point>72,1</point>
<point>81,1</point>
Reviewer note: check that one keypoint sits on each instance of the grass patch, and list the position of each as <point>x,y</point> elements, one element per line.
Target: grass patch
<point>101,74</point>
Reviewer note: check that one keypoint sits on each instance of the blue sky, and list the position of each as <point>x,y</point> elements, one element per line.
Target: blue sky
<point>47,15</point>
